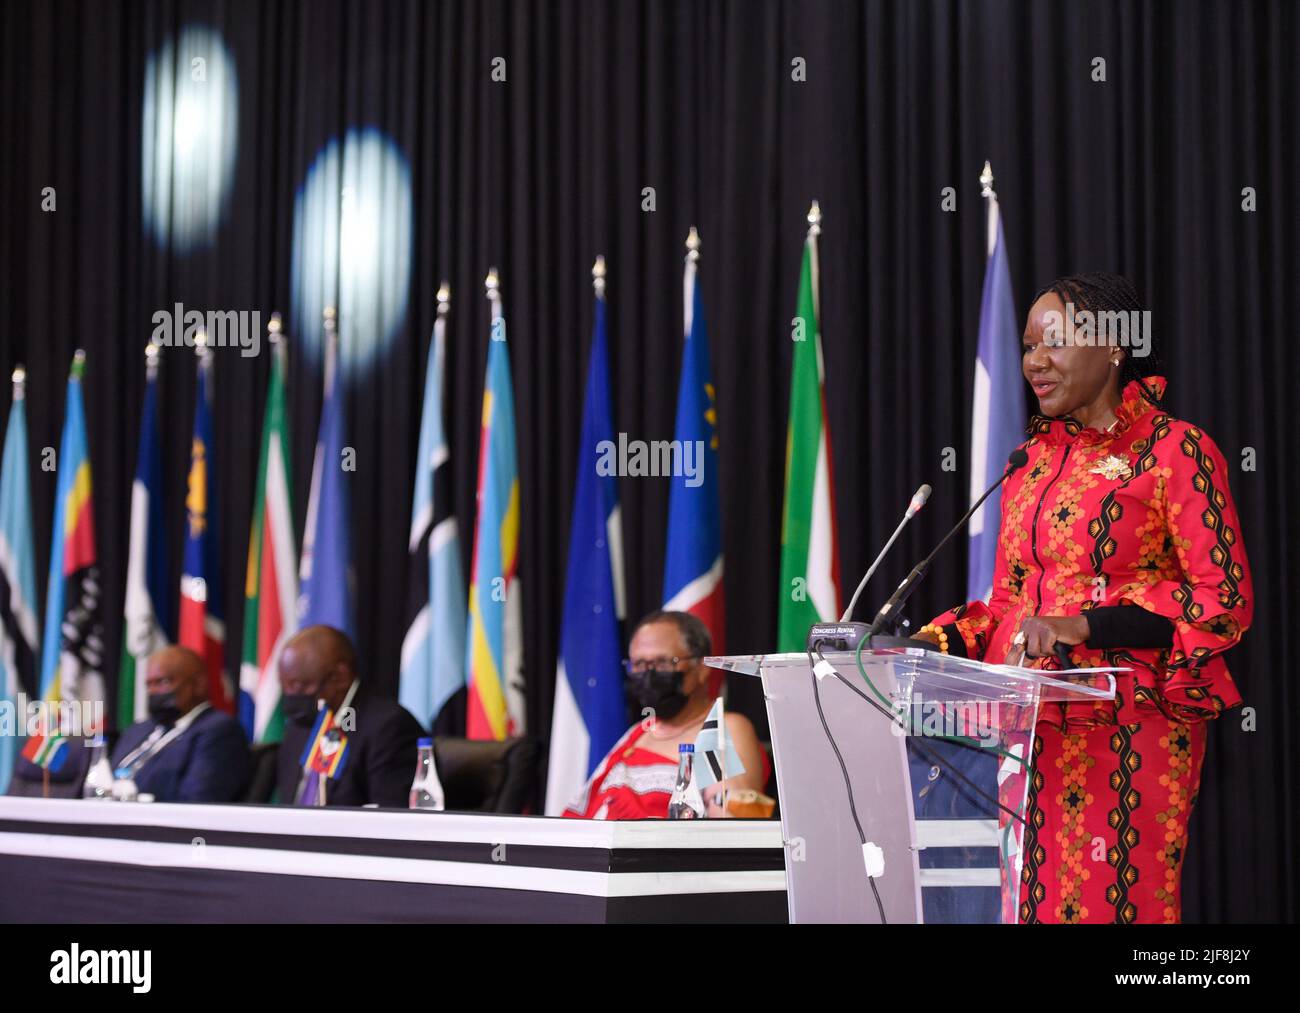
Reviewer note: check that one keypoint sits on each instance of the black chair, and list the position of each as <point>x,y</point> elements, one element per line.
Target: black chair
<point>494,777</point>
<point>262,776</point>
<point>28,780</point>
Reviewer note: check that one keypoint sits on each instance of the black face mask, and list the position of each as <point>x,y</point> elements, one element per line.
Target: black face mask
<point>298,708</point>
<point>163,709</point>
<point>660,690</point>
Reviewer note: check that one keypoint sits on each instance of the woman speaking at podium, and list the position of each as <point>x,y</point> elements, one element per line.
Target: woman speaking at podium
<point>1119,539</point>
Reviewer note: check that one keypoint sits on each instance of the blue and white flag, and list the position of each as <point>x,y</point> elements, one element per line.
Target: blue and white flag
<point>433,651</point>
<point>998,414</point>
<point>325,571</point>
<point>590,705</point>
<point>716,758</point>
<point>18,628</point>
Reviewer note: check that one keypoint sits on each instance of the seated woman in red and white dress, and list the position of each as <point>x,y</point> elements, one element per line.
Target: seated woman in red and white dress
<point>674,689</point>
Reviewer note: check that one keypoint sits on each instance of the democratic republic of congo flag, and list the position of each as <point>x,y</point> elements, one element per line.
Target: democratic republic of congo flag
<point>494,647</point>
<point>72,648</point>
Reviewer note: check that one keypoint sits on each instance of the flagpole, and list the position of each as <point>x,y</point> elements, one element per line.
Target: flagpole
<point>331,346</point>
<point>20,382</point>
<point>444,298</point>
<point>990,195</point>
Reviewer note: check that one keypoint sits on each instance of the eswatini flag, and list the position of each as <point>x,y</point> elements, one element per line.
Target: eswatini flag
<point>71,650</point>
<point>202,626</point>
<point>495,629</point>
<point>810,573</point>
<point>271,583</point>
<point>693,564</point>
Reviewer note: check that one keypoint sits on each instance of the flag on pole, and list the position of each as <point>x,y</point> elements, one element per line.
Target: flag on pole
<point>271,580</point>
<point>495,637</point>
<point>810,571</point>
<point>590,705</point>
<point>149,622</point>
<point>433,651</point>
<point>693,561</point>
<point>17,574</point>
<point>998,409</point>
<point>202,621</point>
<point>325,573</point>
<point>716,758</point>
<point>49,751</point>
<point>72,649</point>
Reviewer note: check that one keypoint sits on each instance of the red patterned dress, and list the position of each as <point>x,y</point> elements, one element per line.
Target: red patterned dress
<point>1140,514</point>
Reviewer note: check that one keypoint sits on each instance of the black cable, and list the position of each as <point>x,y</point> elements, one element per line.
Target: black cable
<point>848,783</point>
<point>926,754</point>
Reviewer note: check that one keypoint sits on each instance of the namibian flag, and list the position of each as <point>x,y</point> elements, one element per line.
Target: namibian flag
<point>326,751</point>
<point>693,561</point>
<point>203,627</point>
<point>48,751</point>
<point>494,648</point>
<point>71,651</point>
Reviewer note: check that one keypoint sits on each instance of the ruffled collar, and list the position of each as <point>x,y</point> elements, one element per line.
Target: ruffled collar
<point>1132,406</point>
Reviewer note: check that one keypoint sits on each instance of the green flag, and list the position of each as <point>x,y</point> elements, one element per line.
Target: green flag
<point>810,573</point>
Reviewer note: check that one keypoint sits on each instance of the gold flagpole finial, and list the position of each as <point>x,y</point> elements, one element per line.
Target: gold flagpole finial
<point>598,275</point>
<point>200,343</point>
<point>151,358</point>
<point>492,283</point>
<point>275,326</point>
<point>78,363</point>
<point>331,317</point>
<point>444,298</point>
<point>20,382</point>
<point>693,244</point>
<point>815,219</point>
<point>986,181</point>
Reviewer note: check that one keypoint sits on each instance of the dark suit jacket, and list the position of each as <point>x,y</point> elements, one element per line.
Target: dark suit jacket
<point>208,762</point>
<point>380,764</point>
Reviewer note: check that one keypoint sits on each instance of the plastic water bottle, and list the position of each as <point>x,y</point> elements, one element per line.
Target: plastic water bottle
<point>99,775</point>
<point>426,789</point>
<point>686,803</point>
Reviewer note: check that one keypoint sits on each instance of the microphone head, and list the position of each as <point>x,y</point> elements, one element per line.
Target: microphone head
<point>1018,458</point>
<point>918,499</point>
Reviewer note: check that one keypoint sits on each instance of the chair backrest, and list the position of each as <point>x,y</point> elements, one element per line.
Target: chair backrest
<point>477,776</point>
<point>261,776</point>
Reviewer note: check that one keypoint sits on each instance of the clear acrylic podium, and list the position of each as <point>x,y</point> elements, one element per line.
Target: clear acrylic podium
<point>938,751</point>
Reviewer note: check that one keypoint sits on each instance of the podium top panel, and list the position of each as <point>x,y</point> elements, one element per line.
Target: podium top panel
<point>940,675</point>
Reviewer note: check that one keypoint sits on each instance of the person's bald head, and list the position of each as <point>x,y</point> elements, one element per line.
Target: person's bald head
<point>318,661</point>
<point>178,670</point>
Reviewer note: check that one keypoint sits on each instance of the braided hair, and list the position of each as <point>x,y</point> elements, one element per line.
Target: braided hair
<point>1100,292</point>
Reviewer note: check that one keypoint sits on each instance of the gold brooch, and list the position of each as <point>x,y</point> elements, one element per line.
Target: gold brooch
<point>1111,468</point>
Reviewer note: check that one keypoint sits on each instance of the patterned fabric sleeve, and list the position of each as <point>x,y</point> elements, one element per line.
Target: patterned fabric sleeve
<point>1212,603</point>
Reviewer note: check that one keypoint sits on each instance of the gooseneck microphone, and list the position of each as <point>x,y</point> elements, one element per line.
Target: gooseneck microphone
<point>919,499</point>
<point>844,635</point>
<point>887,618</point>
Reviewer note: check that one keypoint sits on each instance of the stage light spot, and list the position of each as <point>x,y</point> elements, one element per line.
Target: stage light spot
<point>189,143</point>
<point>352,246</point>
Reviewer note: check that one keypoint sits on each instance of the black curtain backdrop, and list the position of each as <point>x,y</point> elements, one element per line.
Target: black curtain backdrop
<point>1142,173</point>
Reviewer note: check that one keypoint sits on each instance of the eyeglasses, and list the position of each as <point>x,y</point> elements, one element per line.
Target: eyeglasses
<point>636,666</point>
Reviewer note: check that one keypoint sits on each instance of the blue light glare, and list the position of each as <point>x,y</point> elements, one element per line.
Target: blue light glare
<point>189,138</point>
<point>352,228</point>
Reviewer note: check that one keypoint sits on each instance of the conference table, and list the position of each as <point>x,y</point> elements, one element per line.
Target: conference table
<point>69,860</point>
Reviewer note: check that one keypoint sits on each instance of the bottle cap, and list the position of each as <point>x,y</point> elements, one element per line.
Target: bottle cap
<point>425,743</point>
<point>686,747</point>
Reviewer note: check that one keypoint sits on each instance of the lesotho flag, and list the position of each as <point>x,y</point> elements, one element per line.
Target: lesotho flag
<point>998,412</point>
<point>590,707</point>
<point>150,608</point>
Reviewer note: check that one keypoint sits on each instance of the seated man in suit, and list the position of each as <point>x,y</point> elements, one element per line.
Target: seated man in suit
<point>318,669</point>
<point>186,750</point>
